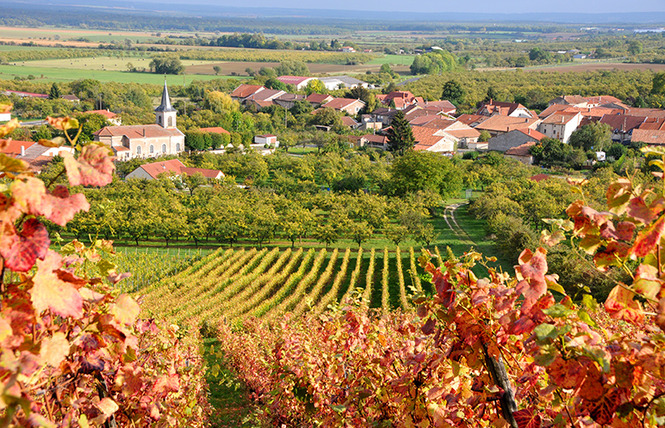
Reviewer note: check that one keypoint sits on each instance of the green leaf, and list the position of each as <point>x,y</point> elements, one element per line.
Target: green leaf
<point>557,311</point>
<point>338,408</point>
<point>584,316</point>
<point>545,331</point>
<point>589,302</point>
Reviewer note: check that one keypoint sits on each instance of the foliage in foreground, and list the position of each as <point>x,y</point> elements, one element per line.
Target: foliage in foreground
<point>72,349</point>
<point>495,351</point>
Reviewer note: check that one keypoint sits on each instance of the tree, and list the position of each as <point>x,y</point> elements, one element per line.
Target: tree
<point>326,233</point>
<point>400,135</point>
<point>292,68</point>
<point>54,92</point>
<point>453,92</point>
<point>327,116</point>
<point>635,47</point>
<point>537,54</point>
<point>396,233</point>
<point>166,64</point>
<point>484,136</point>
<point>273,83</point>
<point>421,170</point>
<point>492,94</point>
<point>594,136</point>
<point>360,232</point>
<point>217,69</point>
<point>315,86</point>
<point>658,85</point>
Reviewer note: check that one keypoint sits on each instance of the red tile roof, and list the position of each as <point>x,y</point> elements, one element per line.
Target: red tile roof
<point>532,133</point>
<point>14,147</point>
<point>176,167</point>
<point>463,133</point>
<point>500,123</point>
<point>107,114</point>
<point>622,122</point>
<point>340,103</point>
<point>470,119</point>
<point>137,131</point>
<point>523,150</point>
<point>215,130</point>
<point>243,91</point>
<point>560,117</point>
<point>648,136</point>
<point>348,121</point>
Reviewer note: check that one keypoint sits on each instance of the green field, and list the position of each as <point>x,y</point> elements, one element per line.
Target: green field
<point>101,63</point>
<point>393,60</point>
<point>52,74</point>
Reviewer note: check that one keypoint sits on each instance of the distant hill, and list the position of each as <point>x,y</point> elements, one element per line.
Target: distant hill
<point>64,11</point>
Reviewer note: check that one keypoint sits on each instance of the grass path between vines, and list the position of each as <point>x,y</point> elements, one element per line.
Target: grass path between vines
<point>228,396</point>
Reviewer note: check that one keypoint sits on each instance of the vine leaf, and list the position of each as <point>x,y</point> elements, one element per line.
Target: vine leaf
<point>649,238</point>
<point>621,305</point>
<point>531,270</point>
<point>58,206</point>
<point>125,309</point>
<point>527,418</point>
<point>50,292</point>
<point>94,167</point>
<point>21,250</point>
<point>55,349</point>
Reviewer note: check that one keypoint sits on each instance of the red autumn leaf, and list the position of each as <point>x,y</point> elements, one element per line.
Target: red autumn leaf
<point>647,281</point>
<point>638,209</point>
<point>94,167</point>
<point>621,305</point>
<point>649,238</point>
<point>532,269</point>
<point>623,231</point>
<point>50,292</point>
<point>660,318</point>
<point>167,383</point>
<point>21,250</point>
<point>592,388</point>
<point>603,410</point>
<point>527,418</point>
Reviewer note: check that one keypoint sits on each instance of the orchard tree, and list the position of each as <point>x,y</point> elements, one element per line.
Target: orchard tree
<point>166,64</point>
<point>594,136</point>
<point>315,86</point>
<point>400,135</point>
<point>453,92</point>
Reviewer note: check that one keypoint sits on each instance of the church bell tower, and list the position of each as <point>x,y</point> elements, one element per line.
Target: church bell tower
<point>165,113</point>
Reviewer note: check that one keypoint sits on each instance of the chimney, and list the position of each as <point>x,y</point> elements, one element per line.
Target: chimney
<point>163,166</point>
<point>143,132</point>
<point>22,150</point>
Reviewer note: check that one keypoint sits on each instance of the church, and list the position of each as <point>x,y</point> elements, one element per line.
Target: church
<point>146,141</point>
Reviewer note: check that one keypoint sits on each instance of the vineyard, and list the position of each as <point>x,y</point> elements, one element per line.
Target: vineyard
<point>232,284</point>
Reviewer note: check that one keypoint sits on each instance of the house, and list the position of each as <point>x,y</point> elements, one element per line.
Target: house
<point>400,99</point>
<point>433,140</point>
<point>36,155</point>
<point>173,167</point>
<point>472,120</point>
<point>266,139</point>
<point>500,124</point>
<point>347,49</point>
<point>622,125</point>
<point>504,109</point>
<point>287,100</point>
<point>316,100</point>
<point>374,140</point>
<point>460,133</point>
<point>350,122</point>
<point>140,141</point>
<point>299,82</point>
<point>347,105</point>
<point>515,138</point>
<point>560,125</point>
<point>338,82</point>
<point>569,100</point>
<point>521,153</point>
<point>71,98</point>
<point>111,117</point>
<point>243,91</point>
<point>22,94</point>
<point>263,98</point>
<point>6,116</point>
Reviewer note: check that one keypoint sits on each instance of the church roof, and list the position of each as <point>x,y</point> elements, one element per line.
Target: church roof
<point>137,131</point>
<point>166,101</point>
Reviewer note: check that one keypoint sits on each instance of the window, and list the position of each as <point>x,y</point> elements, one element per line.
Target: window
<point>152,149</point>
<point>170,121</point>
<point>163,148</point>
<point>177,147</point>
<point>138,150</point>
<point>159,119</point>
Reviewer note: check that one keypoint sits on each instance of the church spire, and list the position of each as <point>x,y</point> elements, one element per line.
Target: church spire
<point>165,106</point>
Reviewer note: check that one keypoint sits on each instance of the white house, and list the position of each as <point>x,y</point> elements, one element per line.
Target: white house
<point>560,125</point>
<point>268,139</point>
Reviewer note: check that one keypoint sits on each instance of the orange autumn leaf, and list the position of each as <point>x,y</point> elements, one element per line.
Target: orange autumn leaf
<point>58,206</point>
<point>54,349</point>
<point>125,309</point>
<point>621,305</point>
<point>63,123</point>
<point>8,127</point>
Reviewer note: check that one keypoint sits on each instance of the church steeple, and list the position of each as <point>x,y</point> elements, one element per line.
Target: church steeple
<point>165,113</point>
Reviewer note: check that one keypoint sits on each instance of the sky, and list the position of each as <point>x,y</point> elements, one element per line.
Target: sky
<point>442,6</point>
